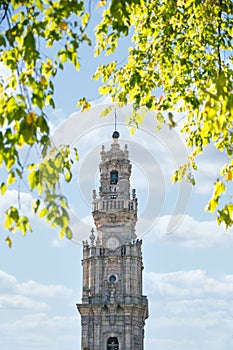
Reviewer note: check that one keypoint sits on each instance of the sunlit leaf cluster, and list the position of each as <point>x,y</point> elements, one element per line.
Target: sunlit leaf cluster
<point>37,38</point>
<point>44,179</point>
<point>179,61</point>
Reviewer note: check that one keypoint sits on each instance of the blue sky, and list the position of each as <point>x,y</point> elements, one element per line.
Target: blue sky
<point>188,261</point>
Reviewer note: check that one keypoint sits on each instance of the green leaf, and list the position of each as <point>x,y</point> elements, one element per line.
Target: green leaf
<point>32,166</point>
<point>11,217</point>
<point>219,189</point>
<point>11,178</point>
<point>76,154</point>
<point>35,205</point>
<point>84,104</point>
<point>33,179</point>
<point>62,233</point>
<point>85,19</point>
<point>28,29</point>
<point>8,221</point>
<point>106,111</point>
<point>30,46</point>
<point>69,233</point>
<point>131,131</point>
<point>3,188</point>
<point>9,242</point>
<point>63,56</point>
<point>43,212</point>
<point>68,176</point>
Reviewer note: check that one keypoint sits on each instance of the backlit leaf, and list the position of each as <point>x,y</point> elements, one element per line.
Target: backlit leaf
<point>9,242</point>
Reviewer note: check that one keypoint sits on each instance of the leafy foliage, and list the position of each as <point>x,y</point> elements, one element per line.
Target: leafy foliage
<point>180,61</point>
<point>36,40</point>
<point>44,177</point>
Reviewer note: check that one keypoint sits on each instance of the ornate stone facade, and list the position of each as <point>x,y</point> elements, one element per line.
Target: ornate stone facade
<point>113,309</point>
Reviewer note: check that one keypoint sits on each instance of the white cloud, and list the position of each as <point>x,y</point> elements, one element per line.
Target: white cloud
<point>59,243</point>
<point>168,344</point>
<point>45,291</point>
<point>59,115</point>
<point>12,297</point>
<point>41,320</point>
<point>229,278</point>
<point>36,316</point>
<point>40,331</point>
<point>188,284</point>
<point>9,286</point>
<point>189,309</point>
<point>190,233</point>
<point>8,282</point>
<point>21,302</point>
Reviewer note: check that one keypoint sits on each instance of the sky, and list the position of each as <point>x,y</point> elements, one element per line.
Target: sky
<point>188,261</point>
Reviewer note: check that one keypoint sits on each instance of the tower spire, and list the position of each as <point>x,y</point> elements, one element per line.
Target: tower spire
<point>115,134</point>
<point>115,115</point>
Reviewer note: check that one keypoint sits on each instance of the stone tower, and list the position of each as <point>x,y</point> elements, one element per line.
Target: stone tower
<point>113,309</point>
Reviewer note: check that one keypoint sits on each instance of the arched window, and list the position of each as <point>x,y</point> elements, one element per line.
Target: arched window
<point>112,343</point>
<point>114,177</point>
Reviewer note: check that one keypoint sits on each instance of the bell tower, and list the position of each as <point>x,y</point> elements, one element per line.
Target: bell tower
<point>113,309</point>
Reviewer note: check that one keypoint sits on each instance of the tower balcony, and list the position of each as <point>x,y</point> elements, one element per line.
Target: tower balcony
<point>109,205</point>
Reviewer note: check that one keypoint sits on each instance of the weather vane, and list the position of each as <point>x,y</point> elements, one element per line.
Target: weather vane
<point>115,118</point>
<point>115,134</point>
